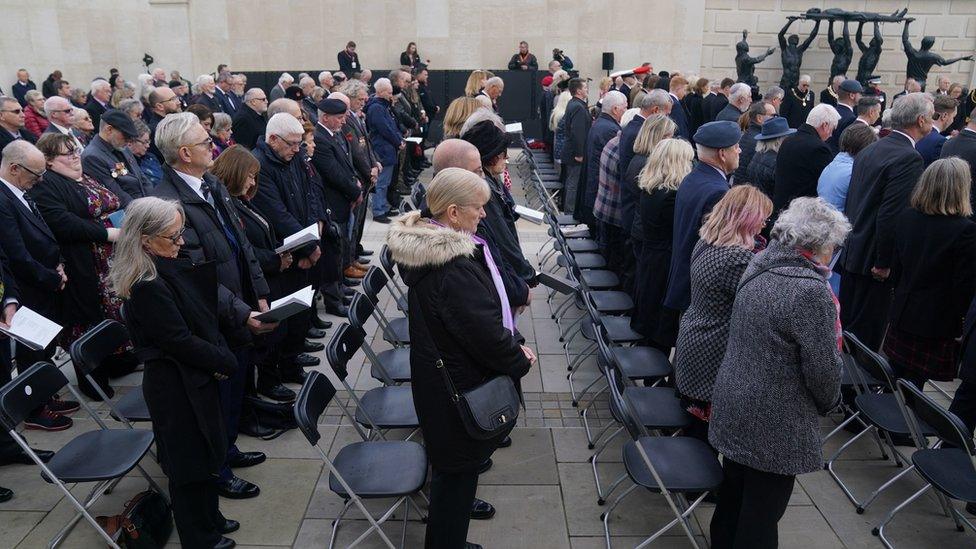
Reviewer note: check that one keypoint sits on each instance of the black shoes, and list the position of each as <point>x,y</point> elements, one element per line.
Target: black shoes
<point>5,494</point>
<point>363,252</point>
<point>47,420</point>
<point>314,346</point>
<point>481,510</point>
<point>278,392</point>
<point>349,292</point>
<point>23,459</point>
<point>505,443</point>
<point>485,466</point>
<point>320,324</point>
<point>467,545</point>
<point>384,219</point>
<point>298,376</point>
<point>62,407</point>
<point>227,525</point>
<point>251,427</point>
<point>237,488</point>
<point>315,333</point>
<point>247,459</point>
<point>970,508</point>
<point>305,360</point>
<point>225,543</point>
<point>351,282</point>
<point>337,310</point>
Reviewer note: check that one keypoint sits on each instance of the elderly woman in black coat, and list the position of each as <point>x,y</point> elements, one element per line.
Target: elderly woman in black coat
<point>173,318</point>
<point>459,313</point>
<point>781,372</point>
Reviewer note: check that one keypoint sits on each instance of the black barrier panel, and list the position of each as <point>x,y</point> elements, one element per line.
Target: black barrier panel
<point>519,102</point>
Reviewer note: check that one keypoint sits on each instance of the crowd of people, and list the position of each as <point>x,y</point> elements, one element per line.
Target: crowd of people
<point>161,204</point>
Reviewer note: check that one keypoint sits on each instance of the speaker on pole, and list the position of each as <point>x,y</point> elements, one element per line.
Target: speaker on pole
<point>608,61</point>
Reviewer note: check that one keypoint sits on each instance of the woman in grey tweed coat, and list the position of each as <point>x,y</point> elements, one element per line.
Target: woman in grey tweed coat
<point>781,371</point>
<point>727,245</point>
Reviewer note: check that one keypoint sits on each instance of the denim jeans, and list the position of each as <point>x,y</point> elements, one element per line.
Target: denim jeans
<point>380,205</point>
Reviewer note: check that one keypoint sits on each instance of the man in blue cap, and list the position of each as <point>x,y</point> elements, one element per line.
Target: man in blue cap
<point>847,97</point>
<point>718,156</point>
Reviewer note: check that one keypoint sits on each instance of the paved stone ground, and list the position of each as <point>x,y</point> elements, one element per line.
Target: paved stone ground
<point>542,486</point>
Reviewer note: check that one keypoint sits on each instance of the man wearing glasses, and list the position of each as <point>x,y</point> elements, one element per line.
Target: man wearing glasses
<point>249,122</point>
<point>108,159</point>
<point>162,101</point>
<point>12,122</point>
<point>61,115</point>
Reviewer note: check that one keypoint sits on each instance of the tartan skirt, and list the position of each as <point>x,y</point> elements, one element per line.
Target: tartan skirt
<point>933,358</point>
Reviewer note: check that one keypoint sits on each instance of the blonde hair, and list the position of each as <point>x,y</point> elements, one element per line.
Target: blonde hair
<point>943,189</point>
<point>457,113</point>
<point>667,166</point>
<point>455,186</point>
<point>476,82</point>
<point>653,130</point>
<point>737,218</point>
<point>130,262</point>
<point>559,109</point>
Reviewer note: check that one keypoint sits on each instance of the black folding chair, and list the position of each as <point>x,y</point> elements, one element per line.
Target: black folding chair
<point>379,409</point>
<point>395,330</point>
<point>392,366</point>
<point>389,267</point>
<point>100,456</point>
<point>363,470</point>
<point>949,465</point>
<point>88,352</point>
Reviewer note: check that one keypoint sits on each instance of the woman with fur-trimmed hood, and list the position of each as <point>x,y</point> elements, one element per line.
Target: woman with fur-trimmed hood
<point>458,313</point>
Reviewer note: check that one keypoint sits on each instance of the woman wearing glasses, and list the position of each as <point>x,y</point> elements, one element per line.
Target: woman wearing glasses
<point>172,314</point>
<point>78,210</point>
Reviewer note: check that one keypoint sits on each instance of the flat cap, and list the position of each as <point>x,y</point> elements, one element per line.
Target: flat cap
<point>718,135</point>
<point>851,86</point>
<point>120,121</point>
<point>332,106</point>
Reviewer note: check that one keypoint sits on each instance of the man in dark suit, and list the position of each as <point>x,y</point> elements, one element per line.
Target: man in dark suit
<point>803,156</point>
<point>23,85</point>
<point>717,99</point>
<point>847,97</point>
<point>12,122</point>
<point>604,128</point>
<point>930,146</point>
<point>224,94</point>
<point>348,60</point>
<point>98,100</point>
<point>213,232</point>
<point>111,163</point>
<point>679,89</point>
<point>363,157</point>
<point>964,146</point>
<point>342,188</point>
<point>207,95</point>
<point>61,118</point>
<point>577,122</point>
<point>797,103</point>
<point>829,94</point>
<point>882,180</point>
<point>249,122</point>
<point>162,101</point>
<point>718,156</point>
<point>740,98</point>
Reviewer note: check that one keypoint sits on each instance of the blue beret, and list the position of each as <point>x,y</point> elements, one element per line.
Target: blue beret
<point>332,106</point>
<point>851,86</point>
<point>718,135</point>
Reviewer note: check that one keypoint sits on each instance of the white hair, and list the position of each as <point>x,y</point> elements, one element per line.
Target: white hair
<point>613,99</point>
<point>17,152</point>
<point>823,113</point>
<point>629,115</point>
<point>54,103</point>
<point>324,74</point>
<point>307,80</point>
<point>205,79</point>
<point>222,121</point>
<point>383,83</point>
<point>739,90</point>
<point>99,85</point>
<point>170,134</point>
<point>804,78</point>
<point>494,81</point>
<point>655,98</point>
<point>479,116</point>
<point>908,108</point>
<point>283,124</point>
<point>285,77</point>
<point>811,224</point>
<point>484,100</point>
<point>774,92</point>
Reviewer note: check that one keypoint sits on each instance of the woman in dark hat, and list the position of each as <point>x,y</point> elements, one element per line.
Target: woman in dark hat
<point>761,171</point>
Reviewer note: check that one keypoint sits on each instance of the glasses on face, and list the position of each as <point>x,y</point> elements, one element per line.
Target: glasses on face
<point>144,142</point>
<point>208,142</point>
<point>64,110</point>
<point>292,144</point>
<point>73,153</point>
<point>15,111</point>
<point>32,172</point>
<point>175,238</point>
<point>261,99</point>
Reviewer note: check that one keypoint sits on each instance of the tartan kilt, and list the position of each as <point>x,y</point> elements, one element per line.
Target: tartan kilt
<point>934,358</point>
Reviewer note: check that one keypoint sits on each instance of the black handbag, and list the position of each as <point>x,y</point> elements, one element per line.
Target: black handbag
<point>146,522</point>
<point>488,410</point>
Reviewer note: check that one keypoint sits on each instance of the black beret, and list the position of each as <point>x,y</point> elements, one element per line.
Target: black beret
<point>489,140</point>
<point>332,106</point>
<point>295,93</point>
<point>120,121</point>
<point>718,135</point>
<point>175,83</point>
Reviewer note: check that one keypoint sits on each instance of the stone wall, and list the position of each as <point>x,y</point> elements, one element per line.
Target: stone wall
<point>84,38</point>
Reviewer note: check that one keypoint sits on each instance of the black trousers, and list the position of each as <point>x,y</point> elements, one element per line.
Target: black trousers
<point>231,392</point>
<point>750,505</point>
<point>451,496</point>
<point>195,511</point>
<point>8,448</point>
<point>614,244</point>
<point>864,304</point>
<point>964,404</point>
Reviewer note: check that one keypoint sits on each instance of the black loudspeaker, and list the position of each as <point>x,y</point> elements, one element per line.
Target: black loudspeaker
<point>608,60</point>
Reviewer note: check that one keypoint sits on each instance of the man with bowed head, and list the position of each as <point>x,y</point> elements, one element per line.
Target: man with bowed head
<point>803,156</point>
<point>603,130</point>
<point>385,136</point>
<point>740,97</point>
<point>108,160</point>
<point>718,154</point>
<point>213,232</point>
<point>249,122</point>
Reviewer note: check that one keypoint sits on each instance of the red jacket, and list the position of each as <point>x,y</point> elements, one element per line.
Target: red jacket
<point>34,122</point>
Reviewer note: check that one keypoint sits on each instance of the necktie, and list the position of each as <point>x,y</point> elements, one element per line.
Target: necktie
<point>228,232</point>
<point>342,142</point>
<point>32,206</point>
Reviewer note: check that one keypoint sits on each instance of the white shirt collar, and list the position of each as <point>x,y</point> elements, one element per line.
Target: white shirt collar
<point>331,133</point>
<point>195,183</point>
<point>62,129</point>
<point>906,136</point>
<point>17,192</point>
<point>674,96</point>
<point>848,107</point>
<point>967,129</point>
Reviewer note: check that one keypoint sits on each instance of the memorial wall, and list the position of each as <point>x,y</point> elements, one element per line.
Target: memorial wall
<point>84,38</point>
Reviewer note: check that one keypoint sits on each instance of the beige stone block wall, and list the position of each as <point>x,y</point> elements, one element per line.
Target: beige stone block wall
<point>84,38</point>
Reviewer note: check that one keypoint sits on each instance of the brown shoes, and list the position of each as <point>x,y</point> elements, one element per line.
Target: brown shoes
<point>352,271</point>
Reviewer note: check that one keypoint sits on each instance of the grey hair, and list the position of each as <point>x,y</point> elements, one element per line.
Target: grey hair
<point>351,88</point>
<point>141,127</point>
<point>130,106</point>
<point>382,83</point>
<point>655,98</point>
<point>323,75</point>
<point>223,77</point>
<point>170,133</point>
<point>251,93</point>
<point>131,263</point>
<point>17,152</point>
<point>7,99</point>
<point>774,92</point>
<point>906,110</point>
<point>804,78</point>
<point>32,95</point>
<point>285,77</point>
<point>494,81</point>
<point>205,79</point>
<point>479,116</point>
<point>78,111</point>
<point>886,118</point>
<point>283,124</point>
<point>306,81</point>
<point>53,103</point>
<point>222,121</point>
<point>769,144</point>
<point>739,90</point>
<point>613,99</point>
<point>282,104</point>
<point>811,224</point>
<point>823,113</point>
<point>99,85</point>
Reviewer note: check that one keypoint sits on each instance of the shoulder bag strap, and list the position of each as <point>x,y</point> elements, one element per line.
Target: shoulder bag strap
<point>439,363</point>
<point>770,267</point>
